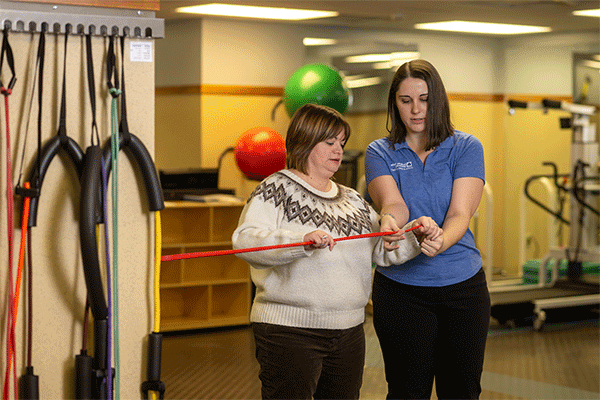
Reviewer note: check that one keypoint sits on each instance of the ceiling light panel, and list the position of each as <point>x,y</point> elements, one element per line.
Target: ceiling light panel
<point>362,82</point>
<point>381,57</point>
<point>591,64</point>
<point>482,27</point>
<point>307,41</point>
<point>588,13</point>
<point>231,10</point>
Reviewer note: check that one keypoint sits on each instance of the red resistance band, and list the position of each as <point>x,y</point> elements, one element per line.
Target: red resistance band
<point>183,256</point>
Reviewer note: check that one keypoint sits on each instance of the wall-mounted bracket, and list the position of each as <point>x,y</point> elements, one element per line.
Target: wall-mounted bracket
<point>57,19</point>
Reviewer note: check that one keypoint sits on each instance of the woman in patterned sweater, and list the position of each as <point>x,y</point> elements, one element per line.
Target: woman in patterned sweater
<point>308,311</point>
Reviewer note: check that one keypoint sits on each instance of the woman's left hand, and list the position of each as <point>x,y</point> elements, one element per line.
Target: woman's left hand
<point>429,228</point>
<point>430,236</point>
<point>432,247</point>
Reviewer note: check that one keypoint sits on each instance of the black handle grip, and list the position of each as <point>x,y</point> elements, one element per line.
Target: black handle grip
<point>29,385</point>
<point>136,148</point>
<point>36,177</point>
<point>154,356</point>
<point>83,376</point>
<point>88,204</point>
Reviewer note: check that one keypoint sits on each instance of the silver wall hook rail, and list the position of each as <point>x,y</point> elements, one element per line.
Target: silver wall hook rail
<point>78,20</point>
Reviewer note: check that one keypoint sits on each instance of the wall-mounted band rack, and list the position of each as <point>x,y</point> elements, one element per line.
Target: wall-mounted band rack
<point>29,17</point>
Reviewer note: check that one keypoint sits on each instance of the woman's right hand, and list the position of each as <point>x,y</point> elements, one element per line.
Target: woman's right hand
<point>387,198</point>
<point>320,239</point>
<point>387,223</point>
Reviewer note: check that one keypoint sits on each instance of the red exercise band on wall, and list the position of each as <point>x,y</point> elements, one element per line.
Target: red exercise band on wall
<point>182,256</point>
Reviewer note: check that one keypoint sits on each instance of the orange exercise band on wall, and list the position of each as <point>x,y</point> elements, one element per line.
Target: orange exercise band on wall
<point>172,257</point>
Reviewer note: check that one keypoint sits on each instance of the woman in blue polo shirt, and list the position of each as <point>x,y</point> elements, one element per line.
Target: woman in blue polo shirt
<point>431,314</point>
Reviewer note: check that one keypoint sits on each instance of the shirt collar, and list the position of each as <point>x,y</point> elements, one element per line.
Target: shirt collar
<point>445,144</point>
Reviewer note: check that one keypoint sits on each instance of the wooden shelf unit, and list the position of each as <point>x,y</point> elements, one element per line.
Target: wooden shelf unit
<point>202,292</point>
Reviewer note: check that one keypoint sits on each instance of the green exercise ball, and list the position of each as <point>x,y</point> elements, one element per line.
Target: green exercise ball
<point>317,84</point>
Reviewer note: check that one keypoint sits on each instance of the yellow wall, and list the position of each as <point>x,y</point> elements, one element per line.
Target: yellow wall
<point>483,119</point>
<point>224,118</point>
<point>206,125</point>
<point>531,138</point>
<point>178,116</point>
<point>366,127</point>
<point>515,147</point>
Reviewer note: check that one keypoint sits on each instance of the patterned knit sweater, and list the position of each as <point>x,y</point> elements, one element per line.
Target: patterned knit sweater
<point>316,288</point>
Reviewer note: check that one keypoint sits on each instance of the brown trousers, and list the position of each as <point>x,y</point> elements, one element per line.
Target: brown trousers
<point>301,363</point>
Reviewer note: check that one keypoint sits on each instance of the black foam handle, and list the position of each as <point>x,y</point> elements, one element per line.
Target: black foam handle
<point>101,366</point>
<point>154,356</point>
<point>83,376</point>
<point>100,344</point>
<point>36,176</point>
<point>29,385</point>
<point>153,186</point>
<point>88,204</point>
<point>142,157</point>
<point>50,149</point>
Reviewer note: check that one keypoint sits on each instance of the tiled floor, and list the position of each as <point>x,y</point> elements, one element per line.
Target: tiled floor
<point>560,362</point>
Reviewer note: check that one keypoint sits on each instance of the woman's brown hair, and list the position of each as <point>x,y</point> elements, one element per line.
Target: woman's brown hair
<point>438,125</point>
<point>311,124</point>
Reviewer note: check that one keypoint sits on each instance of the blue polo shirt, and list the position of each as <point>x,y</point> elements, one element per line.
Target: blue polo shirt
<point>427,190</point>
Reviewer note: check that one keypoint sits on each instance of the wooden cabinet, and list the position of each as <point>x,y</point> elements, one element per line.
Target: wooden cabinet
<point>208,291</point>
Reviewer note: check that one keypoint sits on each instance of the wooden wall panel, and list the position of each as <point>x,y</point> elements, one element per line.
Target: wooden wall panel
<point>151,5</point>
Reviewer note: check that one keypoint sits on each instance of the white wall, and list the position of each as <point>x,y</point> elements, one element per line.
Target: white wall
<point>544,64</point>
<point>178,55</point>
<point>265,54</point>
<point>467,63</point>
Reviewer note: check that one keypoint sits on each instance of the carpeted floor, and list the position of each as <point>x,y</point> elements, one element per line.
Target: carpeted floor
<point>560,362</point>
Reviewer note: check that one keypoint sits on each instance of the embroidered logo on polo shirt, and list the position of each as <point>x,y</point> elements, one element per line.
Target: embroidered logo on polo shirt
<point>402,166</point>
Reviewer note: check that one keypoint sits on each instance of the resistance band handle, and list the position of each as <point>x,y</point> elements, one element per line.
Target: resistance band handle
<point>154,387</point>
<point>24,192</point>
<point>154,361</point>
<point>100,347</point>
<point>83,376</point>
<point>29,388</point>
<point>142,157</point>
<point>51,149</point>
<point>154,356</point>
<point>88,205</point>
<point>100,364</point>
<point>8,90</point>
<point>7,49</point>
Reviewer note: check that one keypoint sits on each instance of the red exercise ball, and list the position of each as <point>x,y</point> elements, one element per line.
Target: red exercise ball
<point>259,152</point>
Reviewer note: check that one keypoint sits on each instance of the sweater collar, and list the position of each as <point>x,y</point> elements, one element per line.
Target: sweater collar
<point>328,194</point>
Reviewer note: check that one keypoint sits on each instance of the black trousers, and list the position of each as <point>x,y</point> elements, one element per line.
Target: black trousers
<point>428,332</point>
<point>300,363</point>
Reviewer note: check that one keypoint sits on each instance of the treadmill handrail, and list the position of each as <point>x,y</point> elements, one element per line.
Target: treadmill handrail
<point>538,203</point>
